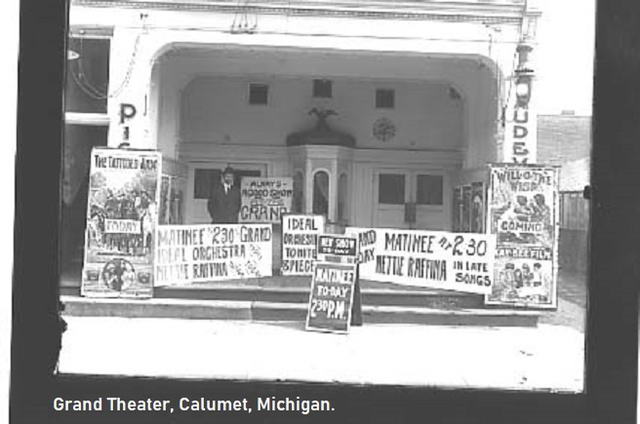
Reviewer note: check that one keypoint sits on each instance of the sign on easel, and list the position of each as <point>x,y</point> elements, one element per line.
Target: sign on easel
<point>331,297</point>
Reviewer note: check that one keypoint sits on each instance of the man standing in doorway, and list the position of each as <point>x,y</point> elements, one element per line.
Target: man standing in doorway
<point>224,203</point>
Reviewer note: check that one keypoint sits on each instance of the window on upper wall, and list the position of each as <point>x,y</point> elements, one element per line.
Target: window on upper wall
<point>322,88</point>
<point>391,189</point>
<point>429,190</point>
<point>258,94</point>
<point>385,98</point>
<point>87,87</point>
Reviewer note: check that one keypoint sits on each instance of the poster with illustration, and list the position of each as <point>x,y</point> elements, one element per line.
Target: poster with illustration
<point>456,209</point>
<point>466,209</point>
<point>523,214</point>
<point>165,200</point>
<point>477,207</point>
<point>124,191</point>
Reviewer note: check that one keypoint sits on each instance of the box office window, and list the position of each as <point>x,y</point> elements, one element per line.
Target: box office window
<point>429,190</point>
<point>391,189</point>
<point>258,94</point>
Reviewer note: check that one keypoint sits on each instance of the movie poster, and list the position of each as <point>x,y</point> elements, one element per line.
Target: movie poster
<point>477,207</point>
<point>204,253</point>
<point>176,197</point>
<point>265,199</point>
<point>523,214</point>
<point>164,213</point>
<point>457,209</point>
<point>466,209</point>
<point>124,190</point>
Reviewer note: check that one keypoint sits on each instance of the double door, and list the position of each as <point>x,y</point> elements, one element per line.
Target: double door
<point>412,199</point>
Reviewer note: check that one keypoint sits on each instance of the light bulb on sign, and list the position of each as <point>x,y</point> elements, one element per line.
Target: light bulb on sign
<point>523,90</point>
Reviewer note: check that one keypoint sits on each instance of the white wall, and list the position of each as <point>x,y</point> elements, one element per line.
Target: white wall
<point>215,109</point>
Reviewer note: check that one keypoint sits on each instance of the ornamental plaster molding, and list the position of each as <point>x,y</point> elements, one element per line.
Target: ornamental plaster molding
<point>496,12</point>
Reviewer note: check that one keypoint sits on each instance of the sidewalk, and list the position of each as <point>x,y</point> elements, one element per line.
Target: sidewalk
<point>546,357</point>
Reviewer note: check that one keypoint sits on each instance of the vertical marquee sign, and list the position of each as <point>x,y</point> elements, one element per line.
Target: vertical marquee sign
<point>520,137</point>
<point>124,190</point>
<point>523,214</point>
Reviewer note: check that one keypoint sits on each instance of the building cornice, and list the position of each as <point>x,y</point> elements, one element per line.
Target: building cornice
<point>503,12</point>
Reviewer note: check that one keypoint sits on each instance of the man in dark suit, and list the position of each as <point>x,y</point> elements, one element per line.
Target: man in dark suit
<point>224,203</point>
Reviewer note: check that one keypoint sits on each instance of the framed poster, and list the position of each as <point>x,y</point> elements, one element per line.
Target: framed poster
<point>456,209</point>
<point>477,207</point>
<point>523,215</point>
<point>466,209</point>
<point>122,215</point>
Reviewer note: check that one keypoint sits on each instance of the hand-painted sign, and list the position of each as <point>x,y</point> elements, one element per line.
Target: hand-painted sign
<point>299,243</point>
<point>523,214</point>
<point>265,199</point>
<point>337,248</point>
<point>477,207</point>
<point>201,253</point>
<point>124,188</point>
<point>520,133</point>
<point>435,259</point>
<point>331,297</point>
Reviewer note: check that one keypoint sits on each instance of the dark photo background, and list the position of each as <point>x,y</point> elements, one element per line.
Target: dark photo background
<point>612,358</point>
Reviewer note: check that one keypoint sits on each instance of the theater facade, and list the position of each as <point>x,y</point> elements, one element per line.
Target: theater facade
<point>377,109</point>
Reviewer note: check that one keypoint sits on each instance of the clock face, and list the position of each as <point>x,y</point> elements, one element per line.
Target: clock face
<point>384,129</point>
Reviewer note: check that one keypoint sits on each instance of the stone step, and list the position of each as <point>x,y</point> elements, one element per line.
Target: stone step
<point>288,311</point>
<point>370,296</point>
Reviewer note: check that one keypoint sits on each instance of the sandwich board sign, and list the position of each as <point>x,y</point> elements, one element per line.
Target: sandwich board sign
<point>328,297</point>
<point>331,297</point>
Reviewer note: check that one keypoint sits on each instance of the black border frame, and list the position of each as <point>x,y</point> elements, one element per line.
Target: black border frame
<point>612,330</point>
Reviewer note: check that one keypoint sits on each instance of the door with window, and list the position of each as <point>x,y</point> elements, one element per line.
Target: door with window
<point>410,199</point>
<point>203,177</point>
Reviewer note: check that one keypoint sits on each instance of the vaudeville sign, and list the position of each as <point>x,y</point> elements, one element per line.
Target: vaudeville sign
<point>331,297</point>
